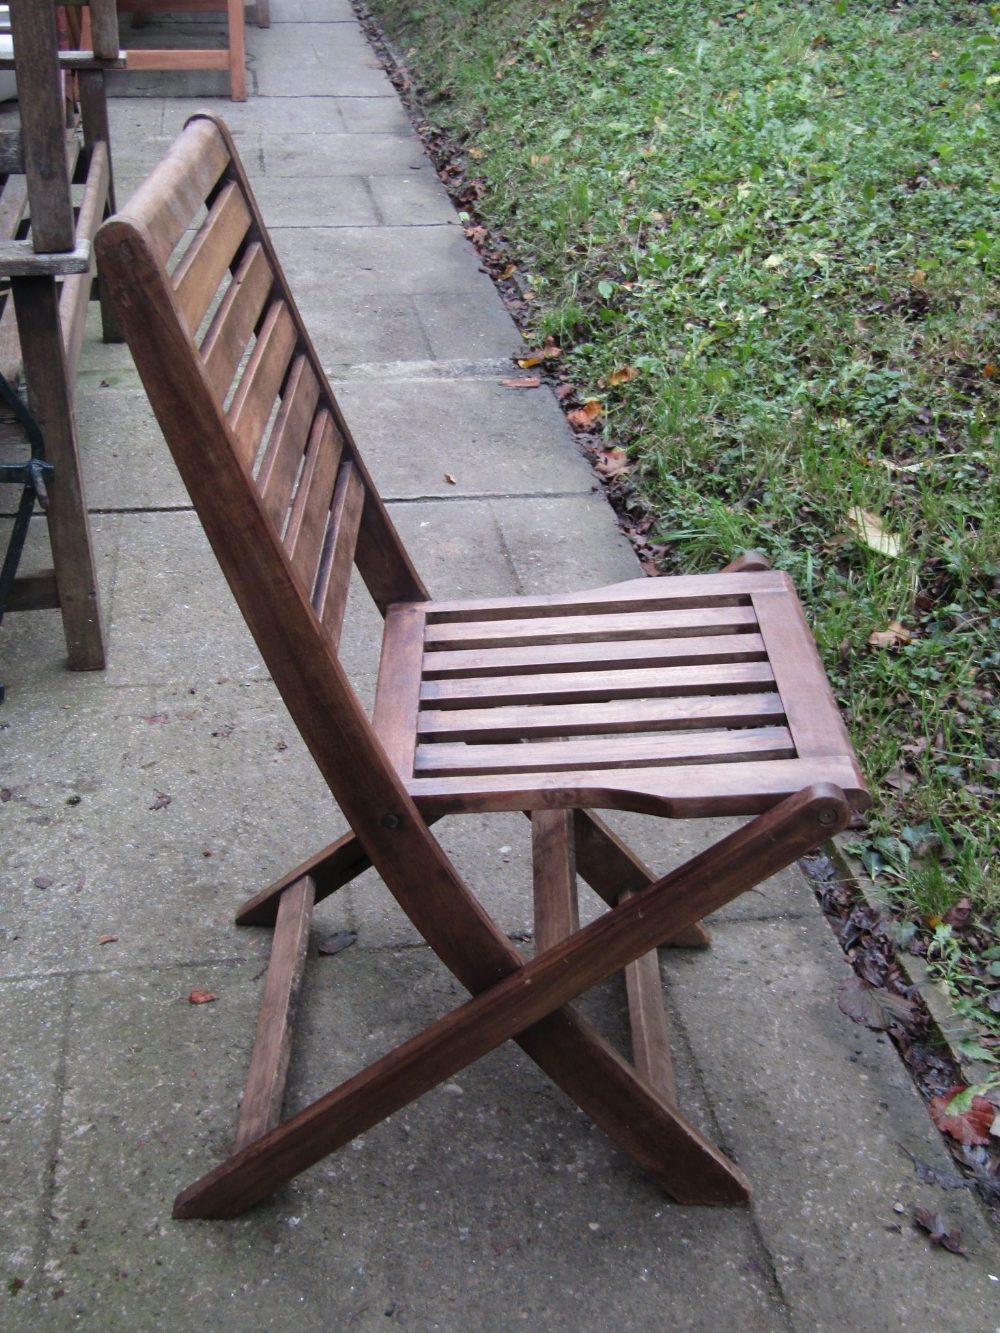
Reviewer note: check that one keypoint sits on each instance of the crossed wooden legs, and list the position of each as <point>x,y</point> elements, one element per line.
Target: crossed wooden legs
<point>527,1004</point>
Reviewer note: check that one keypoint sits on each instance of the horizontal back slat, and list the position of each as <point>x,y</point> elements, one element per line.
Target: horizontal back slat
<point>279,468</point>
<point>254,400</point>
<point>333,581</point>
<point>207,259</point>
<point>310,514</point>
<point>165,205</point>
<point>236,318</point>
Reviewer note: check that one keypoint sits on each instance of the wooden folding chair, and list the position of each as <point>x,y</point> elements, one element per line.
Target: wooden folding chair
<point>685,696</point>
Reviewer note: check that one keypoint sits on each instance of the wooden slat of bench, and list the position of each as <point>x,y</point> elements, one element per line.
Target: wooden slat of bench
<point>279,468</point>
<point>583,628</point>
<point>254,399</point>
<point>517,722</point>
<point>592,656</point>
<point>334,579</point>
<point>74,294</point>
<point>673,747</point>
<point>684,791</point>
<point>809,703</point>
<point>310,514</point>
<point>192,167</point>
<point>676,592</point>
<point>585,687</point>
<point>397,691</point>
<point>236,318</point>
<point>208,257</point>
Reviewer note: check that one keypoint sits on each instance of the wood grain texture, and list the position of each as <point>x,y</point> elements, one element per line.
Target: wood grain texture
<point>265,1086</point>
<point>208,257</point>
<point>553,859</point>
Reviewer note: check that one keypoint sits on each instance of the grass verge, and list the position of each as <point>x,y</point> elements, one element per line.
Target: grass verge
<point>765,240</point>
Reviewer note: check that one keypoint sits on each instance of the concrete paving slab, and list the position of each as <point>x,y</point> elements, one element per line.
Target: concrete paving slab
<point>276,78</point>
<point>312,11</point>
<point>816,1109</point>
<point>150,814</point>
<point>32,644</point>
<point>317,155</point>
<point>332,45</point>
<point>454,330</point>
<point>33,1019</point>
<point>125,459</point>
<point>386,261</point>
<point>300,201</point>
<point>529,1219</point>
<point>416,435</point>
<point>412,198</point>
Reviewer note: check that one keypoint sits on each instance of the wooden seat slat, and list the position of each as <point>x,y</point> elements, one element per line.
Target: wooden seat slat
<point>584,687</point>
<point>682,791</point>
<point>279,468</point>
<point>455,635</point>
<point>677,592</point>
<point>607,717</point>
<point>682,747</point>
<point>236,318</point>
<point>590,656</point>
<point>208,257</point>
<point>254,400</point>
<point>334,578</point>
<point>310,514</point>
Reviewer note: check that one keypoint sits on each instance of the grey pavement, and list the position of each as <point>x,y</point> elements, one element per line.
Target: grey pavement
<point>142,804</point>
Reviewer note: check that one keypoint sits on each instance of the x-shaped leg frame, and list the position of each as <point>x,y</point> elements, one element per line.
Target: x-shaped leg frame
<point>527,1003</point>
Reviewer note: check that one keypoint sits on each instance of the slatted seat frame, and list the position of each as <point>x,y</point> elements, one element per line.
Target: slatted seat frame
<point>686,696</point>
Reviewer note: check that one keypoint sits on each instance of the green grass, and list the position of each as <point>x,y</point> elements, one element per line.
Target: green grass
<point>784,217</point>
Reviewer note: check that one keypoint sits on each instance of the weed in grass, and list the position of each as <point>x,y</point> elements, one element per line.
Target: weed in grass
<point>784,217</point>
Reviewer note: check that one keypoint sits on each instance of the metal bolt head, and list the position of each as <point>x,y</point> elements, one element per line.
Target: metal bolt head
<point>827,815</point>
<point>390,820</point>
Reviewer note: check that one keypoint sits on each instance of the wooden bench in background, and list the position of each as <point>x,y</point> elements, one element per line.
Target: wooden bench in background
<point>57,188</point>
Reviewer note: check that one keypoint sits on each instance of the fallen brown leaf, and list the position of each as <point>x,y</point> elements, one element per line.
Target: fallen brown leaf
<point>624,375</point>
<point>937,1227</point>
<point>611,462</point>
<point>162,801</point>
<point>337,943</point>
<point>582,418</point>
<point>201,996</point>
<point>450,479</point>
<point>876,1008</point>
<point>971,1126</point>
<point>893,636</point>
<point>525,382</point>
<point>106,939</point>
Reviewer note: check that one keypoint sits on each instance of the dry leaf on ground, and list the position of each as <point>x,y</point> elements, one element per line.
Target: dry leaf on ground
<point>869,528</point>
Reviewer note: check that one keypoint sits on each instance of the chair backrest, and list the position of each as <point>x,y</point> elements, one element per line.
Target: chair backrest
<point>259,439</point>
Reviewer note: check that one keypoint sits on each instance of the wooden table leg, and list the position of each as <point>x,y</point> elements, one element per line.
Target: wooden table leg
<point>50,398</point>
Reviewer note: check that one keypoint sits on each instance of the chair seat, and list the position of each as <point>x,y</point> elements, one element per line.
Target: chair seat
<point>693,695</point>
